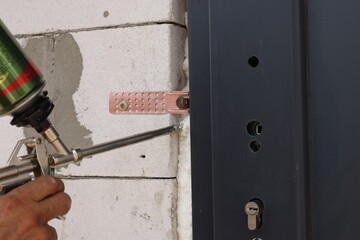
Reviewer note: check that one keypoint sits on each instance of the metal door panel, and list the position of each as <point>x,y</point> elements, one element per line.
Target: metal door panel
<point>273,92</point>
<point>334,50</point>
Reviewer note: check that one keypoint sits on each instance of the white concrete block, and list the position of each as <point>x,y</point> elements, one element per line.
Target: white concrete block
<point>119,209</point>
<point>40,16</point>
<point>9,136</point>
<point>132,59</point>
<point>184,208</point>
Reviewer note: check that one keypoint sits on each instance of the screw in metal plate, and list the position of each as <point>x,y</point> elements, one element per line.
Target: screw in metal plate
<point>123,105</point>
<point>38,141</point>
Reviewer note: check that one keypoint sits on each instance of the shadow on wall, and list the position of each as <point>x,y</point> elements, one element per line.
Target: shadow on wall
<point>60,61</point>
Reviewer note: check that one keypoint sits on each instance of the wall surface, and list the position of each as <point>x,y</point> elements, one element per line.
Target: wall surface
<point>85,50</point>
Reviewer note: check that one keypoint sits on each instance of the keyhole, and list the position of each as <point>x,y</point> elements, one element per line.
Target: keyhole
<point>254,210</point>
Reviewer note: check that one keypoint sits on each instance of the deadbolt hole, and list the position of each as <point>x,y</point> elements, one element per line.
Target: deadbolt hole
<point>254,128</point>
<point>255,146</point>
<point>253,61</point>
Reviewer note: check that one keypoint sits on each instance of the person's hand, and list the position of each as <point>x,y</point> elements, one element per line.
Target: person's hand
<point>26,210</point>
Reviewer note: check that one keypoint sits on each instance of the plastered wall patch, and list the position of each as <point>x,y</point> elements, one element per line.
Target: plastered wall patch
<point>60,61</point>
<point>68,68</point>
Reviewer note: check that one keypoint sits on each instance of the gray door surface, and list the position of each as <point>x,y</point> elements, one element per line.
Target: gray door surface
<point>274,118</point>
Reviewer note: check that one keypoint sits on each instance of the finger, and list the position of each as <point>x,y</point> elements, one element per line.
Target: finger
<point>40,188</point>
<point>43,232</point>
<point>53,233</point>
<point>53,206</point>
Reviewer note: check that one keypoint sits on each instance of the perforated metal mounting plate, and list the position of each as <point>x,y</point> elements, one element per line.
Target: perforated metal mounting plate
<point>155,102</point>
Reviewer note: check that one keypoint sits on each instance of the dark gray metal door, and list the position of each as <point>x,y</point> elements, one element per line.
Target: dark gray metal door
<point>334,67</point>
<point>274,89</point>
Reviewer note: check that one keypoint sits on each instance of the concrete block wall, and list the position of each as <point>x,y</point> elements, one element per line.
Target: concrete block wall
<point>85,50</point>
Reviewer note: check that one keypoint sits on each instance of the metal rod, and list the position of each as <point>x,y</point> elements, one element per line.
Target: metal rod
<point>78,154</point>
<point>104,147</point>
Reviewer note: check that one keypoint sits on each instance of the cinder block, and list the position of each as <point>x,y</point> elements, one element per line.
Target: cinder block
<point>41,16</point>
<point>81,70</point>
<point>9,136</point>
<point>132,59</point>
<point>184,209</point>
<point>80,73</point>
<point>119,209</point>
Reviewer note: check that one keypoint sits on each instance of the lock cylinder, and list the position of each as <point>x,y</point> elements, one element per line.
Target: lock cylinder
<point>254,210</point>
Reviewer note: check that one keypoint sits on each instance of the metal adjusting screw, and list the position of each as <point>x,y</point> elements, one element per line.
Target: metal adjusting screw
<point>123,105</point>
<point>253,210</point>
<point>183,102</point>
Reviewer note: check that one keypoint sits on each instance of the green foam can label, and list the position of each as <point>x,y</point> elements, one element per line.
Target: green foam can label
<point>19,78</point>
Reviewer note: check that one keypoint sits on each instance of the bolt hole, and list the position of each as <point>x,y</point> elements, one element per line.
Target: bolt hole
<point>255,146</point>
<point>106,14</point>
<point>142,156</point>
<point>253,61</point>
<point>254,128</point>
